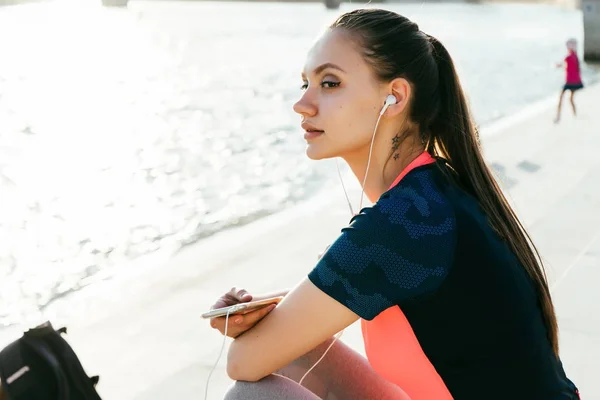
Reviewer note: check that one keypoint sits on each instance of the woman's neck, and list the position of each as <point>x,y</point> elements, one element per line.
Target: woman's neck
<point>384,167</point>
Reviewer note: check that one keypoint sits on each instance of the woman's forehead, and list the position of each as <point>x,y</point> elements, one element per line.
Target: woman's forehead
<point>333,48</point>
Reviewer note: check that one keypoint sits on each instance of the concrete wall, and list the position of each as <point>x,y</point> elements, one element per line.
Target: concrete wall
<point>591,29</point>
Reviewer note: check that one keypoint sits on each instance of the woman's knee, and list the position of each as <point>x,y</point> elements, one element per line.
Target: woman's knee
<point>240,390</point>
<point>270,387</point>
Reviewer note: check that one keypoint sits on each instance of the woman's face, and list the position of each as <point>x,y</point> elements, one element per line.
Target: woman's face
<point>341,101</point>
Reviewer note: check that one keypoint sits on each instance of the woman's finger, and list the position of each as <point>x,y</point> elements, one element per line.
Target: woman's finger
<point>234,296</point>
<point>253,317</point>
<point>234,321</point>
<point>239,324</point>
<point>239,294</point>
<point>243,295</point>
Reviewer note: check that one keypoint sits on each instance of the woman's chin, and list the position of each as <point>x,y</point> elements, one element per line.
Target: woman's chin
<point>315,153</point>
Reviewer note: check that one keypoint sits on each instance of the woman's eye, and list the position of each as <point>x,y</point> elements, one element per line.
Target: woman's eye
<point>324,85</point>
<point>329,84</point>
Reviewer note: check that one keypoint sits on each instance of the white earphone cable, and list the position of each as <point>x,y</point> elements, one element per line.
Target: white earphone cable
<point>389,100</point>
<point>366,171</point>
<point>337,336</point>
<point>368,163</point>
<point>219,357</point>
<point>337,164</point>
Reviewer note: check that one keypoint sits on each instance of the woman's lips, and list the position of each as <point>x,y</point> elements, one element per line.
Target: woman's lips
<point>312,134</point>
<point>311,131</point>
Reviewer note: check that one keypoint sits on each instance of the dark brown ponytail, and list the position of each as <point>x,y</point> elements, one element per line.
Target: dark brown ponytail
<point>454,137</point>
<point>395,47</point>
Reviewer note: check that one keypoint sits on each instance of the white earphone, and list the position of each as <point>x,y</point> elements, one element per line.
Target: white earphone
<point>391,99</point>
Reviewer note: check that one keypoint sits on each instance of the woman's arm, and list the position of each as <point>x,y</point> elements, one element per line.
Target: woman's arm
<point>382,259</point>
<point>304,319</point>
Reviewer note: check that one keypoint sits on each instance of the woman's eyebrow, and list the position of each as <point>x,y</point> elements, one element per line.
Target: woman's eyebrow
<point>323,67</point>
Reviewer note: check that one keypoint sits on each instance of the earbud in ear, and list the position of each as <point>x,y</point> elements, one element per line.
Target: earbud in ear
<point>391,99</point>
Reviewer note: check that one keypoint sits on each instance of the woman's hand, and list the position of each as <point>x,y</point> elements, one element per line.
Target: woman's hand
<point>240,323</point>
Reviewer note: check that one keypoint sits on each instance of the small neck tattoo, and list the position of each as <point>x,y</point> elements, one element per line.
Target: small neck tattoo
<point>395,146</point>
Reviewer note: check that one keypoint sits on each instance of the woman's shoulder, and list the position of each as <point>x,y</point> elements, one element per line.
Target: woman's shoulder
<point>419,202</point>
<point>422,187</point>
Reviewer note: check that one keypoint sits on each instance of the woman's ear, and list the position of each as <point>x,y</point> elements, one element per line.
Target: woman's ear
<point>402,90</point>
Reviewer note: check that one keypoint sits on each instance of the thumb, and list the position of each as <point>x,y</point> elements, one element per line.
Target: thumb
<point>242,295</point>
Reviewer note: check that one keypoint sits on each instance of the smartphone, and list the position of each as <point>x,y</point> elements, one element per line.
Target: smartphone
<point>242,308</point>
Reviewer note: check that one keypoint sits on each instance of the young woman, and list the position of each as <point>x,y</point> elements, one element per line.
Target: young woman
<point>451,293</point>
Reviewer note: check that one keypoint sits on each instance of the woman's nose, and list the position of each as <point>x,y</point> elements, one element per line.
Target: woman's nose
<point>305,106</point>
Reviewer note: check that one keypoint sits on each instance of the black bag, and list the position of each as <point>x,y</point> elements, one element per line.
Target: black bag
<point>41,365</point>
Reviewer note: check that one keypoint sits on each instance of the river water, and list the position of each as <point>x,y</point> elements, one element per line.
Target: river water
<point>126,131</point>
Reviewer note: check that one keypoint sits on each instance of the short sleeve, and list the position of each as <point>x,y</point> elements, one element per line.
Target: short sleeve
<point>399,250</point>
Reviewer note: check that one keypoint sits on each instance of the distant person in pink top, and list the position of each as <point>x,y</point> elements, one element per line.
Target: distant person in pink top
<point>573,76</point>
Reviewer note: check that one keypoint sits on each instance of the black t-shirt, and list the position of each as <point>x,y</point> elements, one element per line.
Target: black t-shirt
<point>427,247</point>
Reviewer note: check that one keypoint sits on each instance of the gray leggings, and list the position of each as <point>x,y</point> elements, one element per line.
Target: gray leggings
<point>343,374</point>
